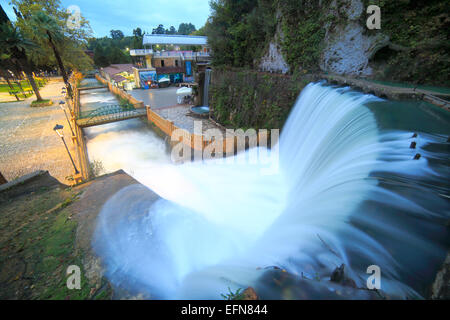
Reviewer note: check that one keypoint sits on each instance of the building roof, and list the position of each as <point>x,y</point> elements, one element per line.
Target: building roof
<point>118,68</point>
<point>118,78</point>
<point>174,39</point>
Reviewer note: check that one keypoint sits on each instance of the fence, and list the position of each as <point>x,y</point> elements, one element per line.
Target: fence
<point>194,141</point>
<point>121,93</point>
<point>200,142</point>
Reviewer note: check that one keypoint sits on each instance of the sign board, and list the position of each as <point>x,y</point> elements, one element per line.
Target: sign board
<point>146,77</point>
<point>188,68</point>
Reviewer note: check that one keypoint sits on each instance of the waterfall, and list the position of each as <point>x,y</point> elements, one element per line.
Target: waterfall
<point>206,87</point>
<point>345,192</point>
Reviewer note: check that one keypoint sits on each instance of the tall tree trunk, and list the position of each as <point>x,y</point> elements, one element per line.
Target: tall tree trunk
<point>24,66</point>
<point>60,64</point>
<point>33,84</point>
<point>22,63</point>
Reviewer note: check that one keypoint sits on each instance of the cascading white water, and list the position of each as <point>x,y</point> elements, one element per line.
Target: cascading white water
<point>330,203</point>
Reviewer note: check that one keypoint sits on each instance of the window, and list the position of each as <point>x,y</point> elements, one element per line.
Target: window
<point>176,63</point>
<point>162,63</point>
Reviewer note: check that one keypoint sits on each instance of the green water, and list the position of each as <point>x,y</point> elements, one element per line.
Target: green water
<point>89,82</point>
<point>411,116</point>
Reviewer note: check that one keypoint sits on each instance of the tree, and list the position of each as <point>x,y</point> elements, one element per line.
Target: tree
<point>47,31</point>
<point>172,30</point>
<point>13,47</point>
<point>116,34</point>
<point>100,57</point>
<point>137,32</point>
<point>137,38</point>
<point>201,31</point>
<point>239,30</point>
<point>73,43</point>
<point>186,28</point>
<point>159,30</point>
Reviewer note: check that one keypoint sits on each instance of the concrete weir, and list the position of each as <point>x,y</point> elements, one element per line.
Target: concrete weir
<point>395,93</point>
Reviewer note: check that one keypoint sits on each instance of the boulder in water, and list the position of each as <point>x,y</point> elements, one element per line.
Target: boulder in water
<point>249,294</point>
<point>339,276</point>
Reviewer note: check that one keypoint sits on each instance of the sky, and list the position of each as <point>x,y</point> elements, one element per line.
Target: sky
<point>126,15</point>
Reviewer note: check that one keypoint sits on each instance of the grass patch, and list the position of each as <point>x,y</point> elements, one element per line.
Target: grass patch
<point>37,237</point>
<point>4,87</point>
<point>43,103</point>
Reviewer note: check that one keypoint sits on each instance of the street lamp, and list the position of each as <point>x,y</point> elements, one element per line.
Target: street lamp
<point>61,105</point>
<point>58,129</point>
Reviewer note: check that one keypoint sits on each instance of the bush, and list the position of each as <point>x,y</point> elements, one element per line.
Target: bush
<point>242,98</point>
<point>43,103</point>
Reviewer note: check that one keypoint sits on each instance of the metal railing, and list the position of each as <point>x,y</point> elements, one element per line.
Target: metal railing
<point>185,54</point>
<point>106,114</point>
<point>140,52</point>
<point>159,54</point>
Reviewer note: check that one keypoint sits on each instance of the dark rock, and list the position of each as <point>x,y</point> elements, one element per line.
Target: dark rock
<point>440,289</point>
<point>414,135</point>
<point>249,294</point>
<point>2,179</point>
<point>412,145</point>
<point>292,287</point>
<point>338,276</point>
<point>417,156</point>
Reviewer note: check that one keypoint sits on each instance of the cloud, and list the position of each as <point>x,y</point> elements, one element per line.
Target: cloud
<point>126,15</point>
<point>105,15</point>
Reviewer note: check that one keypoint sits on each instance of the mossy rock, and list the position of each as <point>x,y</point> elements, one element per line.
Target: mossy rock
<point>43,103</point>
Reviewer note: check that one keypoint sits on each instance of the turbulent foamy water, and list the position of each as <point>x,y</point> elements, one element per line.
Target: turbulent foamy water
<point>345,192</point>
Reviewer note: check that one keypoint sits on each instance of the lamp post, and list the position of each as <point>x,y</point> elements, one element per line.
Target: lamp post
<point>58,129</point>
<point>61,105</point>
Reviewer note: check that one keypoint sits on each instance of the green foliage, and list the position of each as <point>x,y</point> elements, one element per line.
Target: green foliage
<point>42,103</point>
<point>113,50</point>
<point>116,34</point>
<point>303,28</point>
<point>238,295</point>
<point>96,168</point>
<point>239,30</point>
<point>43,238</point>
<point>37,17</point>
<point>186,28</point>
<point>422,29</point>
<point>248,99</point>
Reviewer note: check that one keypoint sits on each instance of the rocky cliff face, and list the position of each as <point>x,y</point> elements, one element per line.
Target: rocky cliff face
<point>347,46</point>
<point>273,60</point>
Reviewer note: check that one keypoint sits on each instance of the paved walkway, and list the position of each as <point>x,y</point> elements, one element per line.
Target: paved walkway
<point>179,114</point>
<point>156,98</point>
<point>27,139</point>
<point>164,102</point>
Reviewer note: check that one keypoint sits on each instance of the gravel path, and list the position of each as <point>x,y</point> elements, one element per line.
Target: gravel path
<point>27,139</point>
